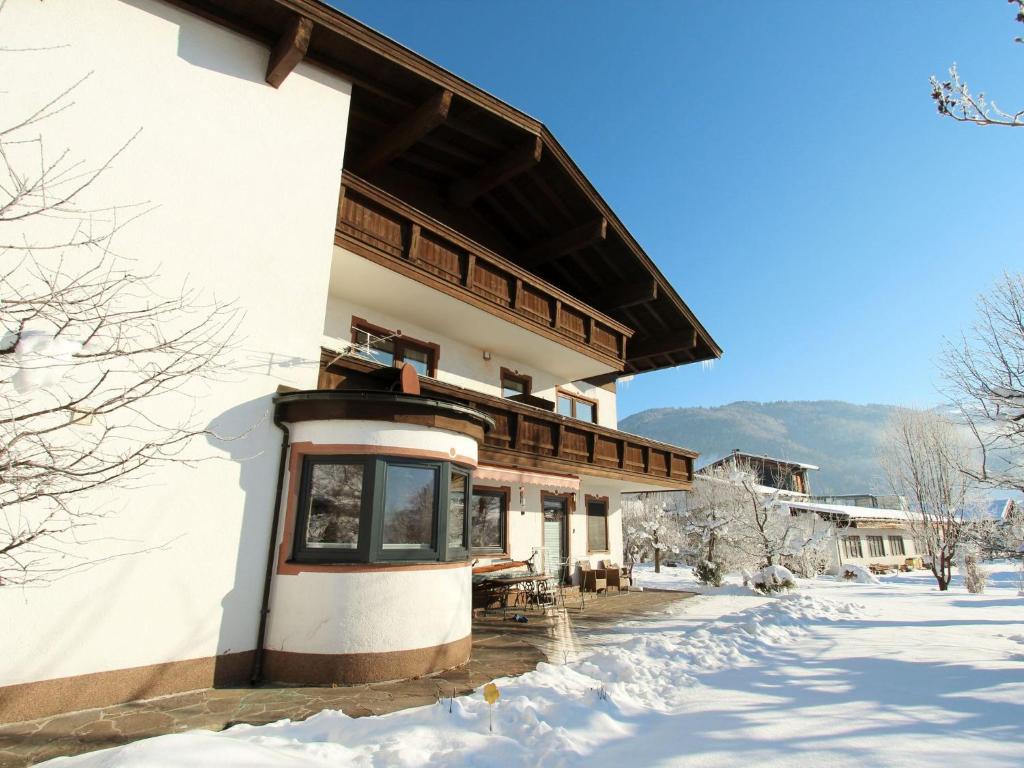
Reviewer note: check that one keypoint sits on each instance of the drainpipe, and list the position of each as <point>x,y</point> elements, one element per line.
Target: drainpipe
<point>257,664</point>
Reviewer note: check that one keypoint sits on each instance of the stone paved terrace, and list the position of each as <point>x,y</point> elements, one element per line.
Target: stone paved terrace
<point>501,648</point>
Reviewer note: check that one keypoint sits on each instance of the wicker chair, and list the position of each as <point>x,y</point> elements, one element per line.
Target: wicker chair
<point>615,575</point>
<point>592,579</point>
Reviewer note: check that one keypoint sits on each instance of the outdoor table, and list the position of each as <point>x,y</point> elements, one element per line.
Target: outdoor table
<point>508,583</point>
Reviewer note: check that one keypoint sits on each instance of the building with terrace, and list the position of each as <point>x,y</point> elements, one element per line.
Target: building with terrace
<point>437,307</point>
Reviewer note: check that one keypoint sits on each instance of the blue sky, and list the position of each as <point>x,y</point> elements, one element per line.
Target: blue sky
<point>781,162</point>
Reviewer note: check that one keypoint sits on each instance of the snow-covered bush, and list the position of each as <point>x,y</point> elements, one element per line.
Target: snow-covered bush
<point>707,572</point>
<point>772,578</point>
<point>858,573</point>
<point>967,564</point>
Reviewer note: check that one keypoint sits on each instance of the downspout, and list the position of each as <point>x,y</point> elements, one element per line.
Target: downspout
<point>257,663</point>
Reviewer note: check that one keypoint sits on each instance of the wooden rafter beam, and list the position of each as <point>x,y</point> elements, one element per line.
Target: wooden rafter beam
<point>668,342</point>
<point>628,295</point>
<point>425,118</point>
<point>572,240</point>
<point>289,50</point>
<point>516,161</point>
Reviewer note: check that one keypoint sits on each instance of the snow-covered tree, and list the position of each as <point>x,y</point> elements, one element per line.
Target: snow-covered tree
<point>955,100</point>
<point>651,526</point>
<point>738,523</point>
<point>923,457</point>
<point>985,371</point>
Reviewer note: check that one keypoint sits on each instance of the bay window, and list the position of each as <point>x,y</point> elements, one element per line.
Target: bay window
<point>377,508</point>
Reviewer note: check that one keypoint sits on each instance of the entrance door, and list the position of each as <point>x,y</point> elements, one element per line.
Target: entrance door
<point>555,539</point>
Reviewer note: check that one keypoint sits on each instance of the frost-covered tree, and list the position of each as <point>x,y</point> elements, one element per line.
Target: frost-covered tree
<point>738,523</point>
<point>955,100</point>
<point>651,526</point>
<point>923,456</point>
<point>985,373</point>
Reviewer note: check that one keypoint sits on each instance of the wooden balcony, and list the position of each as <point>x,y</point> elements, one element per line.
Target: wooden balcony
<point>532,438</point>
<point>383,229</point>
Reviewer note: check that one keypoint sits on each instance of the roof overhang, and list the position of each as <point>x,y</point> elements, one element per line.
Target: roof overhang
<point>480,165</point>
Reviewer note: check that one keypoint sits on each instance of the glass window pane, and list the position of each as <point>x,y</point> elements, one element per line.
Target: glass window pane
<point>418,359</point>
<point>457,511</point>
<point>409,498</point>
<point>584,411</point>
<point>487,520</point>
<point>597,531</point>
<point>512,387</point>
<point>335,498</point>
<point>564,405</point>
<point>382,352</point>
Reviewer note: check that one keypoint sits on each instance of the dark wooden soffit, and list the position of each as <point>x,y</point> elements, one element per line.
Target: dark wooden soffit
<point>495,163</point>
<point>526,437</point>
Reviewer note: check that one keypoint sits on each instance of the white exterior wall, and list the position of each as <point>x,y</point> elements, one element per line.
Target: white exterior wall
<point>370,612</point>
<point>245,183</point>
<point>376,433</point>
<point>461,364</point>
<point>525,521</point>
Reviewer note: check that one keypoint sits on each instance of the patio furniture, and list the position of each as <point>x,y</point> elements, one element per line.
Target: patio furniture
<point>614,574</point>
<point>592,579</point>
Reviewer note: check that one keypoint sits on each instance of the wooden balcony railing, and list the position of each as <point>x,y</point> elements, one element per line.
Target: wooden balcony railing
<point>528,437</point>
<point>383,229</point>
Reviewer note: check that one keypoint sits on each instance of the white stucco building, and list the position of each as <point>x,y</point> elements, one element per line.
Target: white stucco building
<point>437,305</point>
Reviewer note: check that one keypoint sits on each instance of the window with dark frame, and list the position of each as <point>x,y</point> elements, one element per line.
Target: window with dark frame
<point>488,512</point>
<point>896,545</point>
<point>876,546</point>
<point>851,547</point>
<point>576,407</point>
<point>514,384</point>
<point>597,525</point>
<point>384,347</point>
<point>379,508</point>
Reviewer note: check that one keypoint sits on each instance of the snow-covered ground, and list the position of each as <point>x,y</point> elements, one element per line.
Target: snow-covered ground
<point>837,674</point>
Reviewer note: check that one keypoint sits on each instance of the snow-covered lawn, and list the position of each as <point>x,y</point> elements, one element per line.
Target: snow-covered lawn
<point>836,674</point>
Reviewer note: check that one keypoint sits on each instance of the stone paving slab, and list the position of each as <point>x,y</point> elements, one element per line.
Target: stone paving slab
<point>501,648</point>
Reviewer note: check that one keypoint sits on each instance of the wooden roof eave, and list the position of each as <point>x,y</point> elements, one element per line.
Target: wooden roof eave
<point>246,18</point>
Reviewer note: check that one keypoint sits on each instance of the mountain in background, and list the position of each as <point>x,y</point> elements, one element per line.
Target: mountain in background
<point>841,438</point>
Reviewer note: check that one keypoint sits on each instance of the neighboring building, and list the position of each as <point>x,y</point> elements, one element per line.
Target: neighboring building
<point>869,530</point>
<point>865,535</point>
<point>374,215</point>
<point>789,477</point>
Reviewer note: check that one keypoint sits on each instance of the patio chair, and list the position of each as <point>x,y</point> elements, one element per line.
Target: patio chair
<point>592,579</point>
<point>614,574</point>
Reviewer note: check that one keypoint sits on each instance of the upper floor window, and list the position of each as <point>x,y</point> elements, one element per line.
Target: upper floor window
<point>373,508</point>
<point>514,383</point>
<point>577,407</point>
<point>389,348</point>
